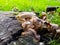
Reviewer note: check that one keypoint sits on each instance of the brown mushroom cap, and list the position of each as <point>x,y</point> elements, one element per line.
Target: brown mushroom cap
<point>27,14</point>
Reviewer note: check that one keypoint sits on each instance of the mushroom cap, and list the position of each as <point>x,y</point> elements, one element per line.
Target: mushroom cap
<point>58,30</point>
<point>43,13</point>
<point>27,14</point>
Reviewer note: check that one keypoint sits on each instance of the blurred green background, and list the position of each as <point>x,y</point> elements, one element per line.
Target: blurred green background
<point>26,5</point>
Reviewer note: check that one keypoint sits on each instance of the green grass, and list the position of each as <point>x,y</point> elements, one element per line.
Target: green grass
<point>55,19</point>
<point>26,5</point>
